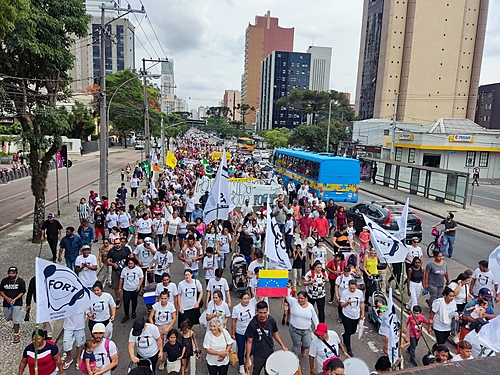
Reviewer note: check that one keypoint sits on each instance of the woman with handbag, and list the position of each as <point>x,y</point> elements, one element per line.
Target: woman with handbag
<point>217,344</point>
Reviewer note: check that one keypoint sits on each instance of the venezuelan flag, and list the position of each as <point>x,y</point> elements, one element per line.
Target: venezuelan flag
<point>272,283</point>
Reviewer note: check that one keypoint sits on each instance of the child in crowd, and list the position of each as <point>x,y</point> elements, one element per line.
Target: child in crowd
<point>174,351</point>
<point>88,365</point>
<point>364,242</point>
<point>188,339</point>
<point>477,313</point>
<point>415,322</point>
<point>381,308</point>
<point>351,231</point>
<point>285,306</point>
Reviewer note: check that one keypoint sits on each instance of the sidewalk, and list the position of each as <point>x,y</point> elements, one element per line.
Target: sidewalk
<point>17,250</point>
<point>480,218</point>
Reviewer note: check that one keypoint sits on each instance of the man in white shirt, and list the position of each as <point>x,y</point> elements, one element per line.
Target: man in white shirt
<point>483,278</point>
<point>106,353</point>
<point>111,219</point>
<point>74,333</point>
<point>86,267</point>
<point>134,185</point>
<point>159,225</point>
<point>190,202</point>
<point>246,208</point>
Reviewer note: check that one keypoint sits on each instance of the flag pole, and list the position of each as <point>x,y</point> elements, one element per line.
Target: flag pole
<point>35,345</point>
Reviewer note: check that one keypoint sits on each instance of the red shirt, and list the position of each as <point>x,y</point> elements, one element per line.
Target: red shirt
<point>321,224</point>
<point>414,331</point>
<point>304,225</point>
<point>335,266</point>
<point>46,363</point>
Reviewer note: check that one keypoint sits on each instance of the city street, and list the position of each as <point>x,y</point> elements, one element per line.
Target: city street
<point>485,194</point>
<point>17,200</point>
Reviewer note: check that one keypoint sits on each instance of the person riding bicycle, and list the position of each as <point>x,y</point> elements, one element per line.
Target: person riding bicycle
<point>450,229</point>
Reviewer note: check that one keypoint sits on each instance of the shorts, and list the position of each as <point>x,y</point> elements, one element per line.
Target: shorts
<point>141,236</point>
<point>182,236</point>
<point>71,337</point>
<point>15,315</point>
<point>115,280</point>
<point>171,237</point>
<point>257,244</point>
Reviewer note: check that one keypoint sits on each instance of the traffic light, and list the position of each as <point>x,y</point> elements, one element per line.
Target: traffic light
<point>64,157</point>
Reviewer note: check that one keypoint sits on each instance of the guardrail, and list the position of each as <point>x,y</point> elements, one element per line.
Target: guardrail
<point>16,173</point>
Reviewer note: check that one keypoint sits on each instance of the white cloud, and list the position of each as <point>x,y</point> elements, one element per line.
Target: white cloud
<point>206,39</point>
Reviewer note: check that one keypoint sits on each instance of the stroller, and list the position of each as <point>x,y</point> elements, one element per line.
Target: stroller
<point>149,296</point>
<point>378,297</point>
<point>239,273</point>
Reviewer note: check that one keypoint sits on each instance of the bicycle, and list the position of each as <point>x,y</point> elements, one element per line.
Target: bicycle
<point>436,244</point>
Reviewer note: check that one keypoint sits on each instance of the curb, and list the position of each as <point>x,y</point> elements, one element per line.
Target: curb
<point>434,214</point>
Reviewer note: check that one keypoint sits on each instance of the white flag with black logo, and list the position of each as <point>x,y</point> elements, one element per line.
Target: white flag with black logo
<point>275,248</point>
<point>389,248</point>
<point>59,292</point>
<point>494,262</point>
<point>489,335</point>
<point>219,203</point>
<point>389,327</point>
<point>403,222</point>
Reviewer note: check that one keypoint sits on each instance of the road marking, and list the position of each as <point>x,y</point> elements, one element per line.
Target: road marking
<point>373,347</point>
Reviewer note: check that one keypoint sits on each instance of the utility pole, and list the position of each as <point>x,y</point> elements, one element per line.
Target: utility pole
<point>147,145</point>
<point>163,153</point>
<point>103,139</point>
<point>234,105</point>
<point>393,126</point>
<point>328,131</point>
<point>57,186</point>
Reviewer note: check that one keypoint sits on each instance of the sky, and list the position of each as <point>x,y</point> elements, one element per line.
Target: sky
<point>206,38</point>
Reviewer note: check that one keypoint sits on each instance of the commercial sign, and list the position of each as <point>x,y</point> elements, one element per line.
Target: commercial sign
<point>217,155</point>
<point>405,137</point>
<point>461,138</point>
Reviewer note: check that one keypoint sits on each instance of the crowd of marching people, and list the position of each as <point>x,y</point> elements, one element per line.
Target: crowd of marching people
<point>125,248</point>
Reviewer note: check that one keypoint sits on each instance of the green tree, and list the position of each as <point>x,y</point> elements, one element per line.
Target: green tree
<point>10,11</point>
<point>220,126</point>
<point>81,123</point>
<point>277,138</point>
<point>313,137</point>
<point>217,111</point>
<point>306,101</point>
<point>244,109</point>
<point>35,56</point>
<point>341,108</point>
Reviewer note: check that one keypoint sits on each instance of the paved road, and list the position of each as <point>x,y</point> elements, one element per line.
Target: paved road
<point>470,245</point>
<point>485,195</point>
<point>17,200</point>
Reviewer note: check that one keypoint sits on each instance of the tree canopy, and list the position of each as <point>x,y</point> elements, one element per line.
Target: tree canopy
<point>277,138</point>
<point>313,137</point>
<point>35,58</point>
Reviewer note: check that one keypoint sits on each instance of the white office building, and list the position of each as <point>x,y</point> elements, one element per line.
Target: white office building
<point>321,61</point>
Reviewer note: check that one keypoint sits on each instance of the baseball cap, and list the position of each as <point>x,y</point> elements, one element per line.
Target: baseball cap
<point>321,329</point>
<point>347,269</point>
<point>86,221</point>
<point>50,216</point>
<point>315,229</point>
<point>485,292</point>
<point>99,328</point>
<point>147,240</point>
<point>138,327</point>
<point>13,269</point>
<point>84,247</point>
<point>306,212</point>
<point>259,254</point>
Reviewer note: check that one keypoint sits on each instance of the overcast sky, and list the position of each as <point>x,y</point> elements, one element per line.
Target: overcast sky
<point>206,39</point>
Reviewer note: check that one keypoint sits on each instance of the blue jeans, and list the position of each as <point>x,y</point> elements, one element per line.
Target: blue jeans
<point>447,241</point>
<point>331,223</point>
<point>241,342</point>
<point>70,263</point>
<point>281,227</point>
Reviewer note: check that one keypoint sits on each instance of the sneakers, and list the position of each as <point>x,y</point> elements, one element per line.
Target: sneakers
<point>241,370</point>
<point>330,301</point>
<point>456,339</point>
<point>134,315</point>
<point>118,303</point>
<point>396,292</point>
<point>299,283</point>
<point>450,256</point>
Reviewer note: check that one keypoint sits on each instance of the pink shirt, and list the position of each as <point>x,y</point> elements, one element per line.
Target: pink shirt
<point>414,330</point>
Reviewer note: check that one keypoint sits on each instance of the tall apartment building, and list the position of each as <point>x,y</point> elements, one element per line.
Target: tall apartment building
<point>261,40</point>
<point>167,78</point>
<point>231,99</point>
<point>321,61</point>
<point>282,72</point>
<point>119,52</point>
<point>429,52</point>
<point>488,106</point>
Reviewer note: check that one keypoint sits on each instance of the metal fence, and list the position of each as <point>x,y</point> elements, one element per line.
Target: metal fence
<point>433,183</point>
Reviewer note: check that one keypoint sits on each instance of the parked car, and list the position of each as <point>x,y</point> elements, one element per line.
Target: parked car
<point>385,214</point>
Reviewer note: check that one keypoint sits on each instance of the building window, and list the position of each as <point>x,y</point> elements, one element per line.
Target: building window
<point>470,159</point>
<point>486,118</point>
<point>411,155</point>
<point>399,153</point>
<point>483,158</point>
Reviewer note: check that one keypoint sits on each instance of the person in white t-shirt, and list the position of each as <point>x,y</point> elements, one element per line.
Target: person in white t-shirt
<point>218,283</point>
<point>106,353</point>
<point>319,253</point>
<point>159,228</point>
<point>353,309</point>
<point>144,253</point>
<point>134,185</point>
<point>210,264</point>
<point>217,309</point>
<point>111,219</point>
<point>325,344</point>
<point>246,208</point>
<point>86,267</point>
<point>465,352</point>
<point>191,254</point>
<point>164,315</point>
<point>191,295</point>
<point>74,333</point>
<point>190,202</point>
<point>341,285</point>
<point>169,286</point>
<point>144,227</point>
<point>146,339</point>
<point>173,229</point>
<point>414,251</point>
<point>162,261</point>
<point>102,310</point>
<point>483,278</point>
<point>242,314</point>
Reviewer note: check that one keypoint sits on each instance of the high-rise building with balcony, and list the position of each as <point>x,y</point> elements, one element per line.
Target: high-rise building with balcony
<point>261,40</point>
<point>427,53</point>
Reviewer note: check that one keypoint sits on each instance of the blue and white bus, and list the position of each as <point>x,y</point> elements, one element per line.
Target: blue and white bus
<point>331,177</point>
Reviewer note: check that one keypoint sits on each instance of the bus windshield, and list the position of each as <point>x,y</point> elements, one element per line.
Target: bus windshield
<point>246,141</point>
